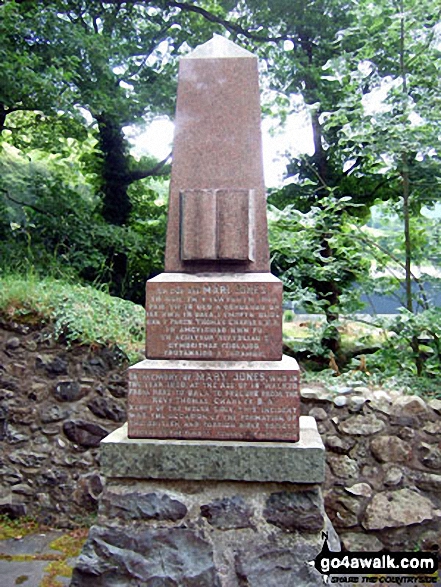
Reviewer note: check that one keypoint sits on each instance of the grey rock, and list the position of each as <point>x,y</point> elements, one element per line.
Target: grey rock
<point>315,394</point>
<point>52,413</point>
<point>14,436</point>
<point>295,511</point>
<point>362,425</point>
<point>342,390</point>
<point>360,542</point>
<point>228,513</point>
<point>343,466</point>
<point>410,405</point>
<point>12,343</point>
<point>52,365</point>
<point>430,456</point>
<point>22,488</point>
<point>338,444</point>
<point>393,476</point>
<point>392,509</point>
<point>433,427</point>
<point>155,558</point>
<point>27,459</point>
<point>390,448</point>
<point>135,505</point>
<point>107,409</point>
<point>13,510</point>
<point>427,481</point>
<point>356,403</point>
<point>435,404</point>
<point>274,566</point>
<point>360,490</point>
<point>68,391</point>
<point>318,413</point>
<point>84,433</point>
<point>340,401</point>
<point>344,510</point>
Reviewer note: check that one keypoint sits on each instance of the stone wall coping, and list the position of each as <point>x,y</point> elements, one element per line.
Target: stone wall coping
<point>299,462</point>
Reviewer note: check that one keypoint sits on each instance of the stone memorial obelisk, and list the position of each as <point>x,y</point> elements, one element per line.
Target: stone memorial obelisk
<point>214,367</point>
<point>215,481</point>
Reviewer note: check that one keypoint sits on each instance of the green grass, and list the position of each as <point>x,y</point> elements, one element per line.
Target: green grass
<point>78,313</point>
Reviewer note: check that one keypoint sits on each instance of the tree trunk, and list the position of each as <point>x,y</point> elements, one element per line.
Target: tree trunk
<point>328,291</point>
<point>116,202</point>
<point>3,114</point>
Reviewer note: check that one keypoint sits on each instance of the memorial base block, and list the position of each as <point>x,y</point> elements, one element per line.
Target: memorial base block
<point>211,514</point>
<point>234,400</point>
<point>221,316</point>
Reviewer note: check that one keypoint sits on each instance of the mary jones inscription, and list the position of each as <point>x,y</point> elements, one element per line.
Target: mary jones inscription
<point>214,320</point>
<point>250,403</point>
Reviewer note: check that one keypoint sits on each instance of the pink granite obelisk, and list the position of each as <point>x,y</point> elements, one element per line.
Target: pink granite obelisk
<point>214,367</point>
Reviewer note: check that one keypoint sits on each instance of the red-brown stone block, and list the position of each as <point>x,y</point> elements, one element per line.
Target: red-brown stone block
<point>249,401</point>
<point>215,317</point>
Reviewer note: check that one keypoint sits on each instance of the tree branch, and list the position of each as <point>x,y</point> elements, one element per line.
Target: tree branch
<point>230,26</point>
<point>138,174</point>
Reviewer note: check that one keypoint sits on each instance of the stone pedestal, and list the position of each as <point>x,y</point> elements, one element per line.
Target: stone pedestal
<point>213,513</point>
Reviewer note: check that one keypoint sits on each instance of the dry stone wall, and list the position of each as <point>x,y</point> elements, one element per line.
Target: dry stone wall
<point>383,482</point>
<point>56,404</point>
<point>383,473</point>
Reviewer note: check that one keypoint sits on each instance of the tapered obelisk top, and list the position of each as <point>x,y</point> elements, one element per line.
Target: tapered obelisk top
<point>217,206</point>
<point>218,48</point>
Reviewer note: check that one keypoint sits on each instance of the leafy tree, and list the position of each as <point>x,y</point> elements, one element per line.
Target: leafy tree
<point>400,139</point>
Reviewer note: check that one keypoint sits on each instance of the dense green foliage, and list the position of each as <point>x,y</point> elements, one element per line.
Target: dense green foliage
<point>75,203</point>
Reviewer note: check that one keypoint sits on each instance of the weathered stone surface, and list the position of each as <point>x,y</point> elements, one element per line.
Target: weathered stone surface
<point>318,413</point>
<point>430,456</point>
<point>390,448</point>
<point>295,511</point>
<point>340,401</point>
<point>342,466</point>
<point>392,509</point>
<point>360,490</point>
<point>433,427</point>
<point>393,476</point>
<point>135,505</point>
<point>344,510</point>
<point>107,409</point>
<point>435,404</point>
<point>362,425</point>
<point>360,542</point>
<point>338,444</point>
<point>228,513</point>
<point>171,557</point>
<point>214,317</point>
<point>228,400</point>
<point>427,481</point>
<point>410,405</point>
<point>300,462</point>
<point>67,391</point>
<point>84,433</point>
<point>275,566</point>
<point>52,413</point>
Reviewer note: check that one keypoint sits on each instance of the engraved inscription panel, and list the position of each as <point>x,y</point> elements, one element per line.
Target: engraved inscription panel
<point>214,320</point>
<point>214,404</point>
